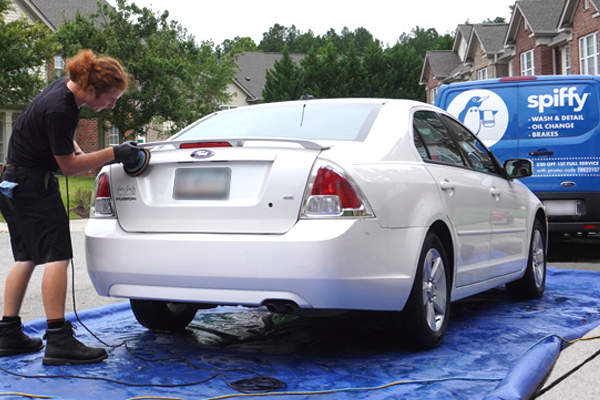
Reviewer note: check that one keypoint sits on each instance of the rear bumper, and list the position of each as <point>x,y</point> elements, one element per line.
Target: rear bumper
<point>588,207</point>
<point>320,264</point>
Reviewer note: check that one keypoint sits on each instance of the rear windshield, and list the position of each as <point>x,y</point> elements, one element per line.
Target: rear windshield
<point>313,121</point>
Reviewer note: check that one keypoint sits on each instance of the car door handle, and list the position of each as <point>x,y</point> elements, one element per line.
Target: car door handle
<point>541,152</point>
<point>447,185</point>
<point>495,193</point>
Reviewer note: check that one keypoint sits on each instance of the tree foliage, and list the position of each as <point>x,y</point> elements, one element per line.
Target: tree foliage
<point>173,78</point>
<point>279,36</point>
<point>25,48</point>
<point>392,72</point>
<point>283,81</point>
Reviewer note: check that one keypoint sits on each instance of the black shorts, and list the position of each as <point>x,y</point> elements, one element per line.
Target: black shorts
<point>37,220</point>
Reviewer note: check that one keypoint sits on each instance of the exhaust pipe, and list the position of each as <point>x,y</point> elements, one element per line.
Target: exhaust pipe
<point>282,306</point>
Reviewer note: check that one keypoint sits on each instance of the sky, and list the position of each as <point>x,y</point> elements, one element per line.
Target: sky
<point>385,19</point>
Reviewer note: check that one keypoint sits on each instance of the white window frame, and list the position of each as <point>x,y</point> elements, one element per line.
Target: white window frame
<point>566,60</point>
<point>113,136</point>
<point>59,63</point>
<point>588,54</point>
<point>527,63</point>
<point>433,95</point>
<point>482,74</point>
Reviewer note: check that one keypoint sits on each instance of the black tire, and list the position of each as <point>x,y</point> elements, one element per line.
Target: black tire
<point>427,312</point>
<point>533,283</point>
<point>162,315</point>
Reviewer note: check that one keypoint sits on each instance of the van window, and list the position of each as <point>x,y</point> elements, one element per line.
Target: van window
<point>437,141</point>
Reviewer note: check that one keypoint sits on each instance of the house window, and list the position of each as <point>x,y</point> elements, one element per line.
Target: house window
<point>588,54</point>
<point>586,4</point>
<point>511,68</point>
<point>566,60</point>
<point>482,74</point>
<point>433,95</point>
<point>527,67</point>
<point>113,135</point>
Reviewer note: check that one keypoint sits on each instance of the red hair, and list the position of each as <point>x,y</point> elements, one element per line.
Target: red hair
<point>103,73</point>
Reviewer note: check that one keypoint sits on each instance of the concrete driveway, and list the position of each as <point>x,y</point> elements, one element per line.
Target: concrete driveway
<point>85,293</point>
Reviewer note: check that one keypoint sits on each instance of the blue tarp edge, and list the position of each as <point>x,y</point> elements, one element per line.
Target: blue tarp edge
<point>526,375</point>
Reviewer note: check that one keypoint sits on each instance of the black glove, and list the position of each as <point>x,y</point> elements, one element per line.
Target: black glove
<point>127,153</point>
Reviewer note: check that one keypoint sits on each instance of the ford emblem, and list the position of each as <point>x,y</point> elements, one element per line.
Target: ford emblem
<point>567,184</point>
<point>202,154</point>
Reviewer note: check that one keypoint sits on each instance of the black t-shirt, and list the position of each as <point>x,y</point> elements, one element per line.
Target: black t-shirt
<point>45,128</point>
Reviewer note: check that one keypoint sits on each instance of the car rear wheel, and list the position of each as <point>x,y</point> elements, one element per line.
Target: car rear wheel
<point>427,311</point>
<point>533,283</point>
<point>162,315</point>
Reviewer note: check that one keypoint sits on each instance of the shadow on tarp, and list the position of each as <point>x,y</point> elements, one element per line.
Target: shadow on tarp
<point>487,337</point>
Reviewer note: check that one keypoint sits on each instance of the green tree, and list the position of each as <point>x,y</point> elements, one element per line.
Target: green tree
<point>310,68</point>
<point>273,40</point>
<point>238,45</point>
<point>403,71</point>
<point>25,47</point>
<point>174,79</point>
<point>355,74</point>
<point>375,64</point>
<point>283,81</point>
<point>421,40</point>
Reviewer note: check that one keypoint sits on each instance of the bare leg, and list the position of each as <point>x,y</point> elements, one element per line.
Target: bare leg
<point>16,286</point>
<point>54,289</point>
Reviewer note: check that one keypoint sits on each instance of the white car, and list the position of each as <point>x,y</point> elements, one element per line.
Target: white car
<point>317,207</point>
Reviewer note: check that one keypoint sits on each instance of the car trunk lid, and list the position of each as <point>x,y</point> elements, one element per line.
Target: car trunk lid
<point>254,187</point>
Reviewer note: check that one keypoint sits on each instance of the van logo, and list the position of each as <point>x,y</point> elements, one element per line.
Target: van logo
<point>562,97</point>
<point>202,154</point>
<point>483,112</point>
<point>567,184</point>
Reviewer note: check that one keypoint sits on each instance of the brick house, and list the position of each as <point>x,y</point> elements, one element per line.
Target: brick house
<point>543,37</point>
<point>89,135</point>
<point>475,55</point>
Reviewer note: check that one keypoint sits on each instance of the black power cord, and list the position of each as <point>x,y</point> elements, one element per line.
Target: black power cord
<point>258,384</point>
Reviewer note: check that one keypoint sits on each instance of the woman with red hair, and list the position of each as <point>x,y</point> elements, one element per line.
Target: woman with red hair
<point>41,143</point>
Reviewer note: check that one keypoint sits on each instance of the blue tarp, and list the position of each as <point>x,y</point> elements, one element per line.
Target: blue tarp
<point>486,348</point>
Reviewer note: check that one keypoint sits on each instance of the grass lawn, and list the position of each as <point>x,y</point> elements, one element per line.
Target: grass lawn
<point>80,191</point>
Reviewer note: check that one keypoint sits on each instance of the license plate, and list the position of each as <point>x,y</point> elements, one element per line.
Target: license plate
<point>202,183</point>
<point>561,207</point>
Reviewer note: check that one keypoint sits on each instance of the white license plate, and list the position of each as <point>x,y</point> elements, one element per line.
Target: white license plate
<point>561,207</point>
<point>202,183</point>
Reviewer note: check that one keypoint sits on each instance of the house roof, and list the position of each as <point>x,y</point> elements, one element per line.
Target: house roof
<point>252,67</point>
<point>570,8</point>
<point>54,12</point>
<point>542,16</point>
<point>491,37</point>
<point>441,63</point>
<point>463,32</point>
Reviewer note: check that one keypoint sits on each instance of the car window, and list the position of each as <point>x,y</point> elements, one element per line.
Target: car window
<point>433,140</point>
<point>298,120</point>
<point>479,157</point>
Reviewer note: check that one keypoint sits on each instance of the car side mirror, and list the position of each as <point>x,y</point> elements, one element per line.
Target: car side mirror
<point>517,168</point>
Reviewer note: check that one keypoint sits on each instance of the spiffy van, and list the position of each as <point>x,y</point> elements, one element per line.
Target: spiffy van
<point>551,120</point>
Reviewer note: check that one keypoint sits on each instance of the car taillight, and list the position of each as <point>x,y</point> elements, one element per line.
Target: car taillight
<point>331,193</point>
<point>101,204</point>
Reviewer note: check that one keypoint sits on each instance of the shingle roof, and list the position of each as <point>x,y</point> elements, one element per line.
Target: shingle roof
<point>597,4</point>
<point>491,36</point>
<point>253,67</point>
<point>465,30</point>
<point>542,15</point>
<point>57,11</point>
<point>442,62</point>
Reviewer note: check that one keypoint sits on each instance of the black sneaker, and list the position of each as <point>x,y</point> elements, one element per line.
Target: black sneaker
<point>62,348</point>
<point>13,341</point>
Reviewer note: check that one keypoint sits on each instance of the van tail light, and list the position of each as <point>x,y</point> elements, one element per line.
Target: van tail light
<point>101,202</point>
<point>331,193</point>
